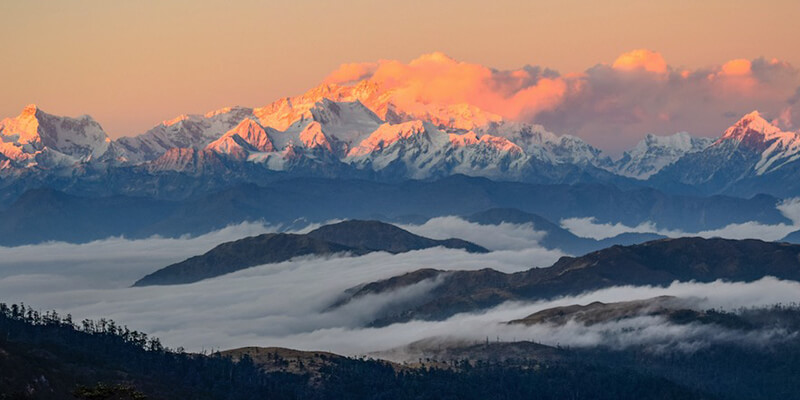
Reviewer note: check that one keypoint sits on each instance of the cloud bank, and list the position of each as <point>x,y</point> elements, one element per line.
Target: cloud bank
<point>505,236</point>
<point>91,281</point>
<point>610,104</point>
<point>790,208</point>
<point>287,304</point>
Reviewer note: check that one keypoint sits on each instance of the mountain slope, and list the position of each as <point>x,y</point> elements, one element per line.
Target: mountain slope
<point>51,358</point>
<point>793,237</point>
<point>243,253</point>
<point>675,310</point>
<point>418,150</point>
<point>659,262</point>
<point>380,236</point>
<point>353,237</point>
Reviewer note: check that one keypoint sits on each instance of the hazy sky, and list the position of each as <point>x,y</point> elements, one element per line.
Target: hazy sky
<point>132,64</point>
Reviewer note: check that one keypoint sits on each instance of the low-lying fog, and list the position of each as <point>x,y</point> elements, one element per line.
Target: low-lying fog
<point>284,304</point>
<point>790,208</point>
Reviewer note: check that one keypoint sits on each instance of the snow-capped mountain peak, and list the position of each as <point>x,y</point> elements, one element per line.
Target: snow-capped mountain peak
<point>543,145</point>
<point>313,137</point>
<point>653,153</point>
<point>386,135</point>
<point>757,135</point>
<point>346,121</point>
<point>184,131</point>
<point>750,148</point>
<point>243,138</point>
<point>36,133</point>
<point>752,124</point>
<point>25,126</point>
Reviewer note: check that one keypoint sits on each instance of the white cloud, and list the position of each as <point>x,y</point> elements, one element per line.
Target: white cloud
<point>286,304</point>
<point>790,208</point>
<point>495,237</point>
<point>91,281</point>
<point>114,261</point>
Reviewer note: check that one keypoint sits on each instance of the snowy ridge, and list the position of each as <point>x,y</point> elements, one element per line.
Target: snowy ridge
<point>35,138</point>
<point>546,146</point>
<point>360,127</point>
<point>357,124</point>
<point>244,138</point>
<point>654,153</point>
<point>312,137</point>
<point>777,147</point>
<point>185,131</point>
<point>425,151</point>
<point>752,156</point>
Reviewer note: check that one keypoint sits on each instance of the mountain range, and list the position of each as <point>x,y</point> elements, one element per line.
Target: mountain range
<point>359,131</point>
<point>656,263</point>
<point>46,214</point>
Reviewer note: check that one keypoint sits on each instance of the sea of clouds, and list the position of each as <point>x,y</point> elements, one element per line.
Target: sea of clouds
<point>287,304</point>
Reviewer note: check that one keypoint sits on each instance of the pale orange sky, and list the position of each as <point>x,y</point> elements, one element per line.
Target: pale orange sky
<point>132,64</point>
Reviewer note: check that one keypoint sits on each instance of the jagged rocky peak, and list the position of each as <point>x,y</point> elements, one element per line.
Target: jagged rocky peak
<point>313,137</point>
<point>29,110</point>
<point>254,134</point>
<point>752,124</point>
<point>388,134</point>
<point>343,119</point>
<point>653,153</point>
<point>33,131</point>
<point>184,131</point>
<point>319,103</point>
<point>755,134</point>
<point>245,137</point>
<point>543,145</point>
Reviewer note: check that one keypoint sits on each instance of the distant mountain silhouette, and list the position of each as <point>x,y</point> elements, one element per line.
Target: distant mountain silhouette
<point>659,262</point>
<point>380,236</point>
<point>557,237</point>
<point>45,214</point>
<point>793,237</point>
<point>353,237</point>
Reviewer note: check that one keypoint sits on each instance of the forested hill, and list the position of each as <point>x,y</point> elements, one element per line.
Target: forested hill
<point>47,356</point>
